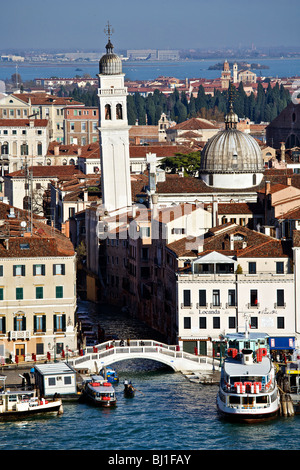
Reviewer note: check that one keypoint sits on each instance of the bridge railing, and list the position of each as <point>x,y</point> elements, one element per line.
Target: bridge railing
<point>136,347</point>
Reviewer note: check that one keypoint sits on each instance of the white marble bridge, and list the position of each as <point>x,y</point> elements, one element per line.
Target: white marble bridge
<point>105,354</point>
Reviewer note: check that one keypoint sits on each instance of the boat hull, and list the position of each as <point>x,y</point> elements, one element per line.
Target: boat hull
<point>100,403</point>
<point>235,415</point>
<point>247,417</point>
<point>55,409</point>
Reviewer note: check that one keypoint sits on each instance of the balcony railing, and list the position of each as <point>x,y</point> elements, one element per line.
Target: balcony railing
<point>15,335</point>
<point>113,91</point>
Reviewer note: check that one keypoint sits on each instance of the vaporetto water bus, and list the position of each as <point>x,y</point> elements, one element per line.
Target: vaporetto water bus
<point>99,392</point>
<point>248,390</point>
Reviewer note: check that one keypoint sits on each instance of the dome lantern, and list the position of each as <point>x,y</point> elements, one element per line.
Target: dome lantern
<point>231,158</point>
<point>110,63</point>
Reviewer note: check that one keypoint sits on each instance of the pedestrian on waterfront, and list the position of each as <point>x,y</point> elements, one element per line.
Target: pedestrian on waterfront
<point>128,342</point>
<point>32,372</point>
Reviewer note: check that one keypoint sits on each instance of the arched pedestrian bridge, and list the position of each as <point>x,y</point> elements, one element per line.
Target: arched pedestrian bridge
<point>105,354</point>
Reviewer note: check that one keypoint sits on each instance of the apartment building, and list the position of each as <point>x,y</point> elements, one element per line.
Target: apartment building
<point>31,184</point>
<point>81,125</point>
<point>37,288</point>
<point>241,279</point>
<point>21,140</point>
<point>38,106</point>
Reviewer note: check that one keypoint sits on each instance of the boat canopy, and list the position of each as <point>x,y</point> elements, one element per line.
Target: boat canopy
<point>250,340</point>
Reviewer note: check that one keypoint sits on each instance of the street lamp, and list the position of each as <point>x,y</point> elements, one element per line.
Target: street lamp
<point>53,347</point>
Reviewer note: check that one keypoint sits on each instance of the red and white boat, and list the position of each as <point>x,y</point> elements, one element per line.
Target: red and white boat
<point>248,390</point>
<point>99,392</point>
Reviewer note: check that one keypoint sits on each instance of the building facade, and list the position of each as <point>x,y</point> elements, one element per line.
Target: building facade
<point>38,289</point>
<point>81,125</point>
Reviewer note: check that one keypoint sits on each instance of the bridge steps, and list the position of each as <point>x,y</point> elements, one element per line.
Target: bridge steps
<point>203,378</point>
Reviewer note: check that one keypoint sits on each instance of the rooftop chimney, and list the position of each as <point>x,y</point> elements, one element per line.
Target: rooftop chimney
<point>282,148</point>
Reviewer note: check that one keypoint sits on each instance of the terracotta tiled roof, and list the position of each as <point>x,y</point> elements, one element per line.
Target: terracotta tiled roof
<point>258,245</point>
<point>45,99</point>
<point>43,241</point>
<point>296,238</point>
<point>194,124</point>
<point>49,171</point>
<point>23,122</point>
<point>161,151</point>
<point>240,208</point>
<point>175,184</point>
<point>182,248</point>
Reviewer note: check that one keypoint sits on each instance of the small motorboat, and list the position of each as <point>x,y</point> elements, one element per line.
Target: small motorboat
<point>99,392</point>
<point>129,389</point>
<point>110,375</point>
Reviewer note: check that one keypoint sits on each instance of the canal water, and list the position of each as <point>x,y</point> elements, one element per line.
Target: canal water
<point>167,413</point>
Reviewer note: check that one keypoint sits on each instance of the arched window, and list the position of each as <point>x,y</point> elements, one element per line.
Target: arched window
<point>254,179</point>
<point>4,148</point>
<point>15,149</point>
<point>292,141</point>
<point>39,149</point>
<point>107,112</point>
<point>211,180</point>
<point>71,161</point>
<point>119,111</point>
<point>24,149</point>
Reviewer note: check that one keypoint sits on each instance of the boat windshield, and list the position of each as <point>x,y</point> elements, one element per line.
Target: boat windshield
<point>108,395</point>
<point>248,378</point>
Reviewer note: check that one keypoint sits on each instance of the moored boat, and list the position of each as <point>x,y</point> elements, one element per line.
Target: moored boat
<point>110,375</point>
<point>99,392</point>
<point>288,379</point>
<point>22,404</point>
<point>248,390</point>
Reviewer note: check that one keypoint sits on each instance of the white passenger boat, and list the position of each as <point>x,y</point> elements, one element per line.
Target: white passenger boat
<point>99,392</point>
<point>248,390</point>
<point>22,404</point>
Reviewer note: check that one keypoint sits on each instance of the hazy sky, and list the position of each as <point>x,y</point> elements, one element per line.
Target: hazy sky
<point>169,24</point>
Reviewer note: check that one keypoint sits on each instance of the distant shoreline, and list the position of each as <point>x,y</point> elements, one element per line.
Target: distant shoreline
<point>136,63</point>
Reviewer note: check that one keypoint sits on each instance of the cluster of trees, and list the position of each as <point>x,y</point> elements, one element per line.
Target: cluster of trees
<point>262,107</point>
<point>189,163</point>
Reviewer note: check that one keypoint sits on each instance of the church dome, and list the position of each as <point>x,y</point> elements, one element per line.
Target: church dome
<point>110,63</point>
<point>231,151</point>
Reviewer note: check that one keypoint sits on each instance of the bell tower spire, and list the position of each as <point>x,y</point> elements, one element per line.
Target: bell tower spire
<point>113,131</point>
<point>109,31</point>
<point>231,119</point>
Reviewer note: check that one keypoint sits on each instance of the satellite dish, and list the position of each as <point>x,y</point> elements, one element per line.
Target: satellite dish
<point>23,224</point>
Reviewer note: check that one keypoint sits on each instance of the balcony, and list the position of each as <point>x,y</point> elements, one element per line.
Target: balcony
<point>22,335</point>
<point>198,306</point>
<point>186,306</point>
<point>281,305</point>
<point>112,91</point>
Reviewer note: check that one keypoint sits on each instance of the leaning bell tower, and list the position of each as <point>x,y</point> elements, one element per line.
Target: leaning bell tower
<point>113,131</point>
